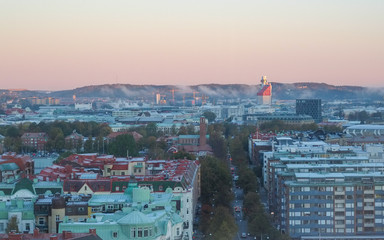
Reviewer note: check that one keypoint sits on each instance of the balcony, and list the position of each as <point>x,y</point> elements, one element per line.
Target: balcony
<point>369,191</point>
<point>186,225</point>
<point>180,237</point>
<point>369,225</point>
<point>340,193</point>
<point>340,217</point>
<point>369,208</point>
<point>340,226</point>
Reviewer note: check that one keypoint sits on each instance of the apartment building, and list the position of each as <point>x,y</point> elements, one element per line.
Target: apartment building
<point>321,191</point>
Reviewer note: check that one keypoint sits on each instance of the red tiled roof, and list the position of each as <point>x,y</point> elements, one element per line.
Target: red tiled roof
<point>135,135</point>
<point>120,167</point>
<point>98,185</point>
<point>35,135</point>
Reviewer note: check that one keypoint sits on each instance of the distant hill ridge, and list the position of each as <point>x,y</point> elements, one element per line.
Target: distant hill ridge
<point>280,91</point>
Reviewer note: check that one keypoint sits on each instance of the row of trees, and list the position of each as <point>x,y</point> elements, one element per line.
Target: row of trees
<point>217,221</point>
<point>259,223</point>
<point>281,126</point>
<point>364,116</point>
<point>96,141</point>
<point>57,131</point>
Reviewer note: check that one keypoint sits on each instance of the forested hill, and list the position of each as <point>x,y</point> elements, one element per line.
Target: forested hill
<point>280,91</point>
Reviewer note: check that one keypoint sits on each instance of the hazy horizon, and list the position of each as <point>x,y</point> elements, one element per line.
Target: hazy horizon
<point>62,45</point>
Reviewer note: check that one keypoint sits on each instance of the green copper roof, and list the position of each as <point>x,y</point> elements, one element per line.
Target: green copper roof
<point>102,199</point>
<point>135,218</point>
<point>6,188</point>
<point>176,218</point>
<point>43,187</point>
<point>9,167</point>
<point>24,183</point>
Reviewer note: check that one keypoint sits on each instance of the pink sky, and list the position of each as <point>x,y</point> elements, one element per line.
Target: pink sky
<point>55,45</point>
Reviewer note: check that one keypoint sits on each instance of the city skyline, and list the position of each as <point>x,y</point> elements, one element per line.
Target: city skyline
<point>58,45</point>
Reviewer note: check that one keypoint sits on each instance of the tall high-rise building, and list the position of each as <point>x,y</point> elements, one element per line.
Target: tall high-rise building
<point>311,107</point>
<point>264,95</point>
<point>158,98</point>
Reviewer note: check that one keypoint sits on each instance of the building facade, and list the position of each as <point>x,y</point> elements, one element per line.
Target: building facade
<point>35,141</point>
<point>311,107</point>
<point>321,191</point>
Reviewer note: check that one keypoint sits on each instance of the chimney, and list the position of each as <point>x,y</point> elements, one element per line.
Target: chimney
<point>53,237</point>
<point>68,168</point>
<point>15,236</point>
<point>36,233</point>
<point>92,231</point>
<point>67,234</point>
<point>203,132</point>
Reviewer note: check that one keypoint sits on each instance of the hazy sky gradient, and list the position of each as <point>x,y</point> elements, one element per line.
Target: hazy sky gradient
<point>54,45</point>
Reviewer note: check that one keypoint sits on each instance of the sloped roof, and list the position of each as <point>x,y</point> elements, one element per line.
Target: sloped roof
<point>24,183</point>
<point>120,167</point>
<point>100,199</point>
<point>176,218</point>
<point>34,135</point>
<point>8,167</point>
<point>96,185</point>
<point>135,218</point>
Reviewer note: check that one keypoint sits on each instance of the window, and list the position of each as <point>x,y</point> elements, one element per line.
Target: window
<point>133,232</point>
<point>139,232</point>
<point>41,221</point>
<point>349,222</point>
<point>349,230</point>
<point>85,188</point>
<point>57,217</point>
<point>95,209</point>
<point>177,232</point>
<point>348,188</point>
<point>146,232</point>
<point>114,234</point>
<point>1,227</point>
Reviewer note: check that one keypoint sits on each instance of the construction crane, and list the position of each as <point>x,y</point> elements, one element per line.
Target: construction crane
<point>173,94</point>
<point>204,99</point>
<point>194,97</point>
